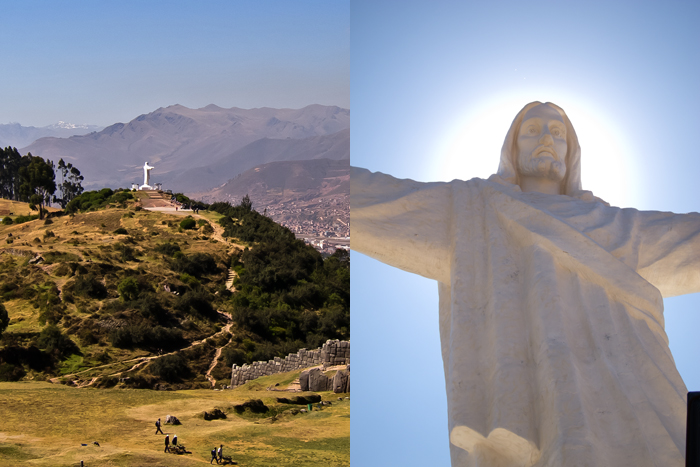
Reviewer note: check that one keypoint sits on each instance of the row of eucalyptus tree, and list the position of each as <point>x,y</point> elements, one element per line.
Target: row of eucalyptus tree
<point>32,179</point>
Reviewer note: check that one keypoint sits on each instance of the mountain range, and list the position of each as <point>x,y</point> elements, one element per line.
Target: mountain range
<point>195,150</point>
<point>16,135</point>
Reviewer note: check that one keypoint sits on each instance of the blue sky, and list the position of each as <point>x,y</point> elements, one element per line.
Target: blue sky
<point>434,88</point>
<point>106,62</point>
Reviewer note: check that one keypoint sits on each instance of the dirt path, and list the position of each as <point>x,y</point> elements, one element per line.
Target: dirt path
<point>140,361</point>
<point>218,235</point>
<point>217,355</point>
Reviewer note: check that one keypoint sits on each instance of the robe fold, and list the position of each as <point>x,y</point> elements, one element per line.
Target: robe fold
<point>551,317</point>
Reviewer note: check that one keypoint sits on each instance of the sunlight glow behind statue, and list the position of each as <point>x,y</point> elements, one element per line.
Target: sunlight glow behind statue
<point>551,310</point>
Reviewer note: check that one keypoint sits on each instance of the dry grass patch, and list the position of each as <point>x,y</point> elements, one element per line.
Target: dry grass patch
<point>48,423</point>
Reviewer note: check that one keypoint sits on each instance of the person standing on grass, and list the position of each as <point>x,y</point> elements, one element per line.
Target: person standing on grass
<point>221,454</point>
<point>167,443</point>
<point>213,456</point>
<point>158,427</point>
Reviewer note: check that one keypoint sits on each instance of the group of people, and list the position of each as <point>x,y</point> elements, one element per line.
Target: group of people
<point>167,442</point>
<point>216,454</point>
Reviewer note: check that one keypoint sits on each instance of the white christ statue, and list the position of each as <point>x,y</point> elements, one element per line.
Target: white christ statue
<point>146,176</point>
<point>551,311</point>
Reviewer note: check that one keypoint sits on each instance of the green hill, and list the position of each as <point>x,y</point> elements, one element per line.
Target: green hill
<point>114,295</point>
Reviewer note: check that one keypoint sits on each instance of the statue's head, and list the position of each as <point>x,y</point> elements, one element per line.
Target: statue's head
<point>542,144</point>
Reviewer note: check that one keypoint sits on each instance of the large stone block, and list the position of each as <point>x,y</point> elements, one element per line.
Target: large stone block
<point>341,381</point>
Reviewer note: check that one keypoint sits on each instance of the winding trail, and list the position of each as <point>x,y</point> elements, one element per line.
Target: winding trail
<point>217,355</point>
<point>218,235</point>
<point>140,361</point>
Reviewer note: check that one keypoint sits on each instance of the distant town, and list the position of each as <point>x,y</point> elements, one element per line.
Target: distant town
<point>323,223</point>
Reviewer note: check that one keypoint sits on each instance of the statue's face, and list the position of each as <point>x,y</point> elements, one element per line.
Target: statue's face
<point>541,144</point>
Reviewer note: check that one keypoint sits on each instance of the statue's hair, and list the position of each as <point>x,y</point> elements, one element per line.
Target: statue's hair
<point>508,168</point>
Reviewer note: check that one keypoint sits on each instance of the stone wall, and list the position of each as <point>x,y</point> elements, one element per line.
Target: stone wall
<point>15,252</point>
<point>333,352</point>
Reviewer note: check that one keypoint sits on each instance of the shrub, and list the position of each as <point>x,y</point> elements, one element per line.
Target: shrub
<point>167,248</point>
<point>233,355</point>
<point>87,337</point>
<point>23,219</point>
<point>128,289</point>
<point>127,253</point>
<point>147,336</point>
<point>171,368</point>
<point>54,341</point>
<point>196,264</point>
<point>197,302</point>
<point>121,231</point>
<point>89,286</point>
<point>9,372</point>
<point>7,221</point>
<point>188,223</point>
<point>189,280</point>
<point>4,319</point>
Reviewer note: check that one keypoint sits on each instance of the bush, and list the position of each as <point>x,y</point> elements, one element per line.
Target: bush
<point>4,319</point>
<point>171,368</point>
<point>23,219</point>
<point>128,289</point>
<point>189,280</point>
<point>254,405</point>
<point>300,400</point>
<point>121,231</point>
<point>196,302</point>
<point>7,221</point>
<point>196,264</point>
<point>233,355</point>
<point>167,248</point>
<point>54,341</point>
<point>87,337</point>
<point>9,372</point>
<point>89,286</point>
<point>146,336</point>
<point>188,223</point>
<point>127,253</point>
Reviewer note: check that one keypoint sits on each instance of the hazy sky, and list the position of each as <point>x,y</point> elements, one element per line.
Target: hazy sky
<point>434,88</point>
<point>105,62</point>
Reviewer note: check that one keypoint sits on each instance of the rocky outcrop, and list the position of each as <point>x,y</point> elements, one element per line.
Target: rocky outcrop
<point>341,381</point>
<point>172,420</point>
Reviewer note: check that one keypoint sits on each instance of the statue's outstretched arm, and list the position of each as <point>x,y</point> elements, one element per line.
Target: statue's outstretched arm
<point>403,223</point>
<point>669,250</point>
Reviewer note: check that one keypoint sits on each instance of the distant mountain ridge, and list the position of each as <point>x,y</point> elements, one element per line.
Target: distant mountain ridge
<point>335,146</point>
<point>285,181</point>
<point>186,144</point>
<point>16,135</point>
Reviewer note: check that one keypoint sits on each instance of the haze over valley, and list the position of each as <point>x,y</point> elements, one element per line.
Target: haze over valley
<point>294,163</point>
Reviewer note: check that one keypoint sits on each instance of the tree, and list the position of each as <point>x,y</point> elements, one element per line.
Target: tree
<point>70,185</point>
<point>38,183</point>
<point>9,173</point>
<point>246,203</point>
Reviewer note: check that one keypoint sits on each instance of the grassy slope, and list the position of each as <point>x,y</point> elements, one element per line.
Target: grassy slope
<point>89,238</point>
<point>43,424</point>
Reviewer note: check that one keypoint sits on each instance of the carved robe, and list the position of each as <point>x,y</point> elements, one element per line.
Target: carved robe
<point>551,317</point>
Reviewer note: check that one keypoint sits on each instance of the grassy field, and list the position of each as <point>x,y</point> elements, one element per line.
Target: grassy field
<point>45,424</point>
